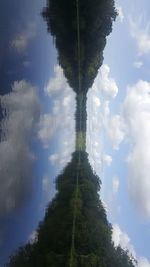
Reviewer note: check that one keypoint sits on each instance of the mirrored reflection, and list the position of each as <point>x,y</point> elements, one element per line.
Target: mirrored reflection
<point>54,122</point>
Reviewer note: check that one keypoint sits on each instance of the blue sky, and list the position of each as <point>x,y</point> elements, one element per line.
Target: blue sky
<point>38,126</point>
<point>27,57</point>
<point>123,88</point>
<point>37,130</point>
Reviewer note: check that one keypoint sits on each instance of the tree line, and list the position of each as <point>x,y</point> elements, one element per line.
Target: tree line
<point>95,24</point>
<point>93,244</point>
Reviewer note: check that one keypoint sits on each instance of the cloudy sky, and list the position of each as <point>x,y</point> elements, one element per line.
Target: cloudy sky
<point>37,125</point>
<point>119,129</point>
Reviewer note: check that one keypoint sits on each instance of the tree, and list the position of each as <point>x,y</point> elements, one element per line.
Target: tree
<point>94,24</point>
<point>92,236</point>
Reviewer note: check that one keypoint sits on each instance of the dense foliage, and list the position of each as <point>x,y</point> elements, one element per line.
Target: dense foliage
<point>95,23</point>
<point>92,243</point>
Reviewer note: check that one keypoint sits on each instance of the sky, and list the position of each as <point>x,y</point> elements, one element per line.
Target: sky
<point>120,104</point>
<point>37,125</point>
<point>36,140</point>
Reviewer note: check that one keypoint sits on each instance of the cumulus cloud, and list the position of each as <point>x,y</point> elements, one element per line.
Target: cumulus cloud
<point>66,148</point>
<point>115,129</point>
<point>60,121</point>
<point>47,127</point>
<point>96,101</point>
<point>21,111</point>
<point>115,184</point>
<point>133,126</point>
<point>141,34</point>
<point>113,125</point>
<point>122,239</point>
<point>104,83</point>
<point>22,38</point>
<point>103,89</point>
<point>143,262</point>
<point>62,158</point>
<point>57,83</point>
<point>136,112</point>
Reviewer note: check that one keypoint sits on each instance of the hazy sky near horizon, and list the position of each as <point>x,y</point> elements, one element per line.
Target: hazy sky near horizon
<point>37,129</point>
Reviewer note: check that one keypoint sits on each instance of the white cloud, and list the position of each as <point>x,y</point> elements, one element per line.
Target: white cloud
<point>143,262</point>
<point>107,159</point>
<point>132,126</point>
<point>105,84</point>
<point>64,155</point>
<point>47,127</point>
<point>96,101</point>
<point>60,120</point>
<point>67,101</point>
<point>103,89</point>
<point>141,34</point>
<point>115,184</point>
<point>114,127</point>
<point>121,238</point>
<point>136,112</point>
<point>22,39</point>
<point>138,64</point>
<point>105,110</point>
<point>56,84</point>
<point>21,111</point>
<point>105,205</point>
<point>120,13</point>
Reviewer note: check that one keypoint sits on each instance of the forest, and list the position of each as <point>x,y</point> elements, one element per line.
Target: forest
<point>94,23</point>
<point>75,231</point>
<point>92,237</point>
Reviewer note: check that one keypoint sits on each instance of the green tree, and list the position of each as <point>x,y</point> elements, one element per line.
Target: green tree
<point>94,24</point>
<point>92,233</point>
